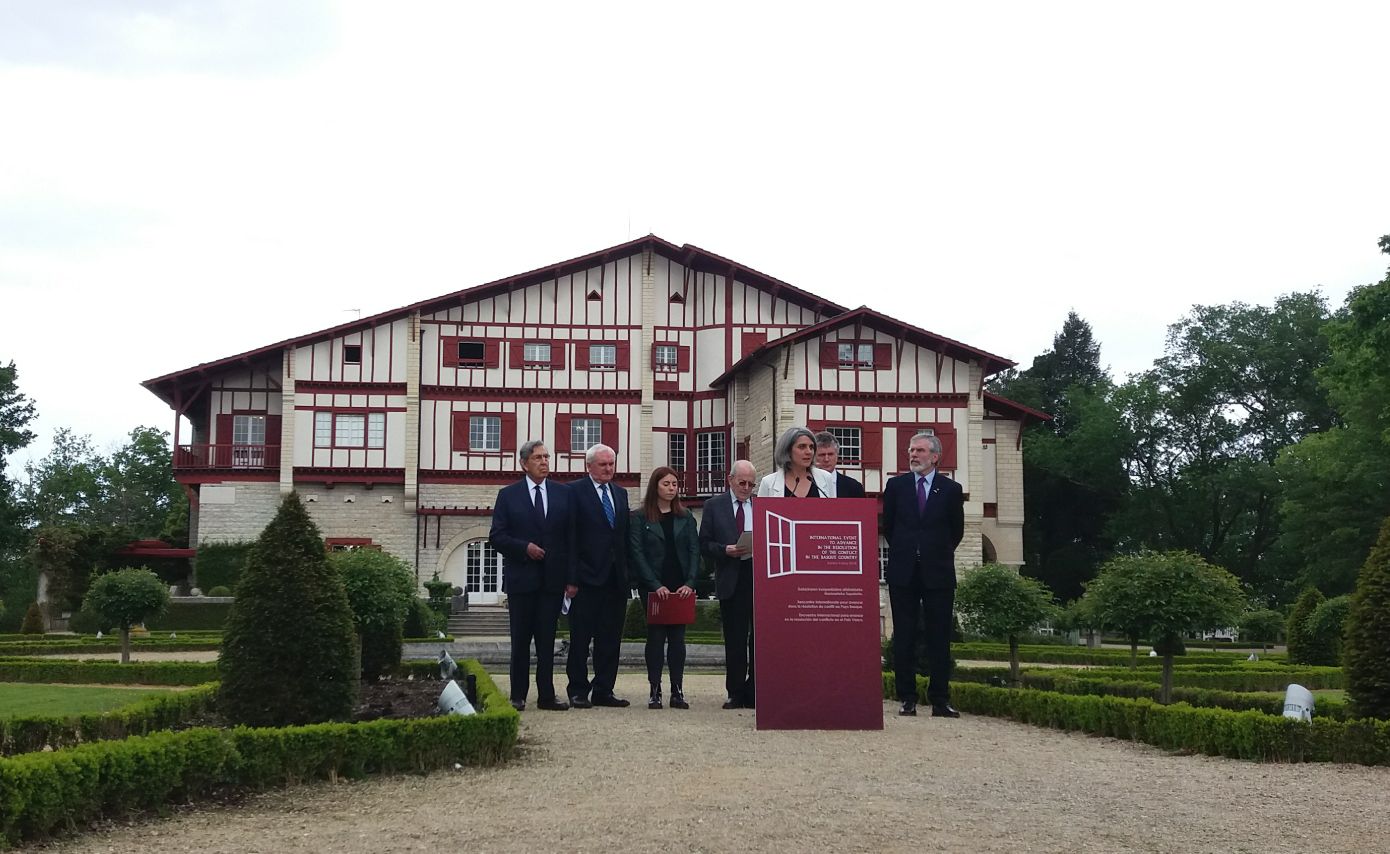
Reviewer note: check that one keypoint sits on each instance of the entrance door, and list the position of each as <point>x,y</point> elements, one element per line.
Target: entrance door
<point>477,568</point>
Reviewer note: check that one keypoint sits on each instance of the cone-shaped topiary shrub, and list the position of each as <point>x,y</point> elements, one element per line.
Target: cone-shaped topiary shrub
<point>33,620</point>
<point>1296,631</point>
<point>289,655</point>
<point>1366,649</point>
<point>1322,634</point>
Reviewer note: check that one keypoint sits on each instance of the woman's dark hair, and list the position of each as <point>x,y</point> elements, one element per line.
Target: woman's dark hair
<point>650,508</point>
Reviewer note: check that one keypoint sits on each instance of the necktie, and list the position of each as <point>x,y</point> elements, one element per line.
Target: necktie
<point>607,505</point>
<point>738,516</point>
<point>921,495</point>
<point>540,501</point>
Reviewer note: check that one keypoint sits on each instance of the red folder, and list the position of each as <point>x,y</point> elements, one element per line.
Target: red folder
<point>675,611</point>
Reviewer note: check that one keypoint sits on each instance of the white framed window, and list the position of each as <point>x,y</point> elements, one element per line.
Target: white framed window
<point>352,354</point>
<point>349,429</point>
<point>484,567</point>
<point>536,353</point>
<point>851,443</point>
<point>882,560</point>
<point>603,356</point>
<point>485,433</point>
<point>675,451</point>
<point>665,357</point>
<point>856,355</point>
<point>585,433</point>
<point>710,461</point>
<point>248,441</point>
<point>323,429</point>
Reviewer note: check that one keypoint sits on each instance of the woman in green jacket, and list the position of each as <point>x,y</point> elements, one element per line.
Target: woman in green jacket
<point>665,552</point>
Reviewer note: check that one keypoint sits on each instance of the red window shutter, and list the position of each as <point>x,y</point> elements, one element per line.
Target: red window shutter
<point>492,354</point>
<point>509,443</point>
<point>581,356</point>
<point>621,360</point>
<point>682,359</point>
<point>610,431</point>
<point>557,355</point>
<point>871,445</point>
<point>517,355</point>
<point>272,430</point>
<point>460,433</point>
<point>450,350</point>
<point>948,448</point>
<point>883,357</point>
<point>829,354</point>
<point>562,433</point>
<point>224,440</point>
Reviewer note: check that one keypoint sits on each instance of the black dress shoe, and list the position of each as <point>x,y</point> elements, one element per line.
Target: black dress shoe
<point>519,705</point>
<point>733,704</point>
<point>580,703</point>
<point>678,699</point>
<point>553,705</point>
<point>909,709</point>
<point>943,710</point>
<point>611,702</point>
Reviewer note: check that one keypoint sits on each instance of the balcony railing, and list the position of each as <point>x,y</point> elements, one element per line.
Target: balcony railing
<point>702,482</point>
<point>226,456</point>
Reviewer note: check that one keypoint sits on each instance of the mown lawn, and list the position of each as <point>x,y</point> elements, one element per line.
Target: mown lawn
<point>20,700</point>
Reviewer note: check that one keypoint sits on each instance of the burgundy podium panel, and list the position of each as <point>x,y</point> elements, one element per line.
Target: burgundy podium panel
<point>816,613</point>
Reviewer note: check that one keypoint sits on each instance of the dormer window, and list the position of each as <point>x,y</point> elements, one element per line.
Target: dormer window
<point>855,355</point>
<point>352,354</point>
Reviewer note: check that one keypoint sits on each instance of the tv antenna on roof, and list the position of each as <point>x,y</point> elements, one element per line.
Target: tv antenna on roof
<point>358,310</point>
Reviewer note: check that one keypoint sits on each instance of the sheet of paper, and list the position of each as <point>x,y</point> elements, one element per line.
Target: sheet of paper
<point>745,542</point>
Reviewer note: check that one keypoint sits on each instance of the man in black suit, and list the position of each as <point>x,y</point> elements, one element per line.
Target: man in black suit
<point>923,521</point>
<point>598,581</point>
<point>827,457</point>
<point>726,517</point>
<point>533,530</point>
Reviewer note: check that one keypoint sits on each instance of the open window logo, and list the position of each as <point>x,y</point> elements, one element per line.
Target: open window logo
<point>813,548</point>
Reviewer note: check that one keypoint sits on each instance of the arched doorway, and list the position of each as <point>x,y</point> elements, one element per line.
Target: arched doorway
<point>475,566</point>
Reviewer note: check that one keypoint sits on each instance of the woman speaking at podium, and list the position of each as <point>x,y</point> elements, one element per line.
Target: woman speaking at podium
<point>665,552</point>
<point>795,477</point>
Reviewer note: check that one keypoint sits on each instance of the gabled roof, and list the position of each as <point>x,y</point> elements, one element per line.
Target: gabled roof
<point>865,316</point>
<point>1017,410</point>
<point>689,256</point>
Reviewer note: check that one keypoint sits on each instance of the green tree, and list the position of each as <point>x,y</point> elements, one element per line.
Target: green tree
<point>139,492</point>
<point>1264,627</point>
<point>65,487</point>
<point>381,589</point>
<point>1111,601</point>
<point>17,583</point>
<point>289,653</point>
<point>68,555</point>
<point>1322,633</point>
<point>1367,647</point>
<point>1174,593</point>
<point>33,620</point>
<point>997,602</point>
<point>126,598</point>
<point>1296,631</point>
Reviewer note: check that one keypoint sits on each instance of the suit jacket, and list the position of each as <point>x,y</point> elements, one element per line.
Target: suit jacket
<point>600,552</point>
<point>928,539</point>
<point>717,530</point>
<point>647,545</point>
<point>515,523</point>
<point>847,487</point>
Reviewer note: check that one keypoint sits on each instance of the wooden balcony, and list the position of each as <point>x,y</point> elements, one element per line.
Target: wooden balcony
<point>226,457</point>
<point>702,483</point>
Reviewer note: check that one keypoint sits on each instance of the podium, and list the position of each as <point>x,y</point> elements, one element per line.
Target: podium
<point>818,662</point>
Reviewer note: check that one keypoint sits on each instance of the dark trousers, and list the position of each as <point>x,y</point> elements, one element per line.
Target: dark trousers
<point>672,638</point>
<point>532,617</point>
<point>936,606</point>
<point>736,613</point>
<point>596,616</point>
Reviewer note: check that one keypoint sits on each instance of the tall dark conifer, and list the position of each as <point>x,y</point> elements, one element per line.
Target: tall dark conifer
<point>1366,650</point>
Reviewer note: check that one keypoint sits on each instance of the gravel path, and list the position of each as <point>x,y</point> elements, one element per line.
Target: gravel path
<point>705,780</point>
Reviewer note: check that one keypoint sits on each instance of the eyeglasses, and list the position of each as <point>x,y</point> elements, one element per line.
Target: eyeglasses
<point>744,483</point>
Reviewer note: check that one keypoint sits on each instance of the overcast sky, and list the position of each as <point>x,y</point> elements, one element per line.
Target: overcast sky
<point>181,181</point>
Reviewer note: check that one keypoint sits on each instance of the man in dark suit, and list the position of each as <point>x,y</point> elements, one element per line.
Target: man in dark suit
<point>827,457</point>
<point>726,517</point>
<point>598,587</point>
<point>533,530</point>
<point>923,521</point>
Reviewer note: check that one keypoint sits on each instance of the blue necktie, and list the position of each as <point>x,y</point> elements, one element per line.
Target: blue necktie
<point>921,495</point>
<point>607,505</point>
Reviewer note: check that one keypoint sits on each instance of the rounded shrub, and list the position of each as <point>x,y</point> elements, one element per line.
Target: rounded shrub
<point>380,589</point>
<point>1322,634</point>
<point>1262,627</point>
<point>289,653</point>
<point>1295,630</point>
<point>33,620</point>
<point>220,590</point>
<point>1367,648</point>
<point>422,621</point>
<point>126,598</point>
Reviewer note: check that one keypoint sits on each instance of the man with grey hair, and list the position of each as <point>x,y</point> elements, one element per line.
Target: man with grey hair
<point>827,457</point>
<point>533,530</point>
<point>923,522</point>
<point>597,585</point>
<point>727,516</point>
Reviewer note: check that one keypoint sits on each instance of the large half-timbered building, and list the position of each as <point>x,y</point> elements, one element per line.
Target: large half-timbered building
<point>398,429</point>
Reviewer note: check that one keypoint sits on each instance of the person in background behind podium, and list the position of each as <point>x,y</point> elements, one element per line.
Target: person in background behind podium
<point>923,522</point>
<point>598,586</point>
<point>533,530</point>
<point>795,477</point>
<point>665,552</point>
<point>727,516</point>
<point>827,457</point>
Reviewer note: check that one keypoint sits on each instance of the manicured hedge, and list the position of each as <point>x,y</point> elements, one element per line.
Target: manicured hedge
<point>191,614</point>
<point>1236,679</point>
<point>90,646</point>
<point>41,793</point>
<point>219,564</point>
<point>107,672</point>
<point>1102,657</point>
<point>22,735</point>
